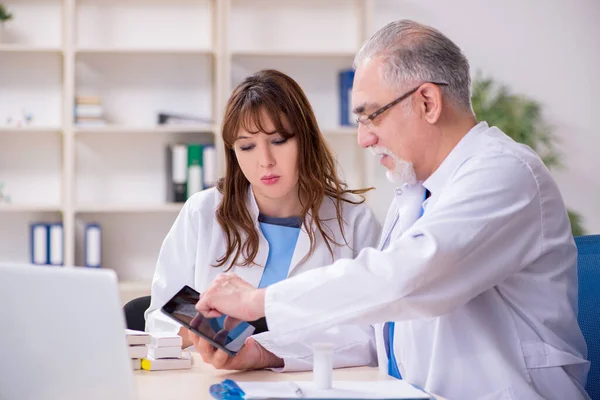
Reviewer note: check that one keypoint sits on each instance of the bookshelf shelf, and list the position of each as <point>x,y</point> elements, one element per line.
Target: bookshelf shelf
<point>135,130</point>
<point>128,208</point>
<point>16,48</point>
<point>299,53</point>
<point>29,208</point>
<point>29,129</point>
<point>142,50</point>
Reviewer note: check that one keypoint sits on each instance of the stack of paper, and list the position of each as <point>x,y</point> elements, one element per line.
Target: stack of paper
<point>137,341</point>
<point>165,352</point>
<point>390,390</point>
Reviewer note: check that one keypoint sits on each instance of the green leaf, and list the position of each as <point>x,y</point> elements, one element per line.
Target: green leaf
<point>4,14</point>
<point>576,223</point>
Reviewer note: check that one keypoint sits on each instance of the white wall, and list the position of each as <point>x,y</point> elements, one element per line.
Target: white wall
<point>546,49</point>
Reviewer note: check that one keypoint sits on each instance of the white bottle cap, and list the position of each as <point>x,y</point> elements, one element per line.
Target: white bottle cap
<point>323,365</point>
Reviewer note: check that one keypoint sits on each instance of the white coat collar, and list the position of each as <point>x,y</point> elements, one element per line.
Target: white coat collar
<point>440,176</point>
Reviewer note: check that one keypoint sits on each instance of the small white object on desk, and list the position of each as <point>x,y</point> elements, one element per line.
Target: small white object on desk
<point>152,364</point>
<point>137,351</point>
<point>136,364</point>
<point>166,339</point>
<point>323,365</point>
<point>137,337</point>
<point>164,352</point>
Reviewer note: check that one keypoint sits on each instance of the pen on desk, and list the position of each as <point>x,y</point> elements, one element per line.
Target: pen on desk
<point>296,389</point>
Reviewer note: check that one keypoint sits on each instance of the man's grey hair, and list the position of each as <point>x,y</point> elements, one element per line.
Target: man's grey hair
<point>412,52</point>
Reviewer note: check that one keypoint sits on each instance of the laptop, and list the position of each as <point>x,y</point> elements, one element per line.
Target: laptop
<point>62,335</point>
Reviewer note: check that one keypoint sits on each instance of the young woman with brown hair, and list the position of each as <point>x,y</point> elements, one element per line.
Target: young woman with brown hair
<point>281,209</point>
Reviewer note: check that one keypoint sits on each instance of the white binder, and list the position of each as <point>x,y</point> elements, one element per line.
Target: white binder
<point>39,244</point>
<point>56,244</point>
<point>93,246</point>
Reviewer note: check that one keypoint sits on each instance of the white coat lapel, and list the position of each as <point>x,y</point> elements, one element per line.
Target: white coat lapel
<point>253,274</point>
<point>301,250</point>
<point>404,211</point>
<point>382,358</point>
<point>410,209</point>
<point>390,222</point>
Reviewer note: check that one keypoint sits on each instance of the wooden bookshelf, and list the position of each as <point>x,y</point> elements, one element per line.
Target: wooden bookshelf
<point>141,58</point>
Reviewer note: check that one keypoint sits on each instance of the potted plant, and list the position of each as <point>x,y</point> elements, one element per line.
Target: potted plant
<point>4,16</point>
<point>521,118</point>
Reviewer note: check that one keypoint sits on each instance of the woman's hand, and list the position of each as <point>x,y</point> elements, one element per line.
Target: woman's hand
<point>251,356</point>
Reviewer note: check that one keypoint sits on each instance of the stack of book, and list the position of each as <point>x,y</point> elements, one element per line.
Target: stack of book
<point>137,342</point>
<point>165,352</point>
<point>89,111</point>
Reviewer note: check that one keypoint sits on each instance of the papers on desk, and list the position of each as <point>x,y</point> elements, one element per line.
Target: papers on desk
<point>391,390</point>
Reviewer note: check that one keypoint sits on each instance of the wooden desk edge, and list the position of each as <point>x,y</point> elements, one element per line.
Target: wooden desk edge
<point>176,384</point>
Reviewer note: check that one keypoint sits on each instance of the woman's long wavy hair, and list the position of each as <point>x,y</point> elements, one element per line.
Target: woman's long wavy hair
<point>276,95</point>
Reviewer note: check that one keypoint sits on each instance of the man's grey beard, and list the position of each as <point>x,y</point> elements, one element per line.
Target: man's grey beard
<point>403,172</point>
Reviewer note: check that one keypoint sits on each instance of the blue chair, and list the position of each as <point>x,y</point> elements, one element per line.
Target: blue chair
<point>588,266</point>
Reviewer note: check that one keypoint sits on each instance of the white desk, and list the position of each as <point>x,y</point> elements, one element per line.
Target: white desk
<point>193,384</point>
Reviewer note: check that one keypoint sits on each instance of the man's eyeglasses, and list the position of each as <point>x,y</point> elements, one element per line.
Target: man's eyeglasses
<point>367,119</point>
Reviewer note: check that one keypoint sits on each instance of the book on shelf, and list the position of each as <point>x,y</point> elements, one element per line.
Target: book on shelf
<point>346,78</point>
<point>165,118</point>
<point>92,246</point>
<point>209,157</point>
<point>47,244</point>
<point>56,244</point>
<point>39,243</point>
<point>88,111</point>
<point>88,100</point>
<point>190,168</point>
<point>176,173</point>
<point>194,169</point>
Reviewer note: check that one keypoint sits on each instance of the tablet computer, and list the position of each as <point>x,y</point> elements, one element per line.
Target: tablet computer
<point>226,333</point>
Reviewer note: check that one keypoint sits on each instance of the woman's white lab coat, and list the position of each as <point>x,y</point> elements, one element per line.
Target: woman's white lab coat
<point>196,241</point>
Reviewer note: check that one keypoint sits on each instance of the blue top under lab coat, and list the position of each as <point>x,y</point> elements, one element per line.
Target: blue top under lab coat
<point>282,236</point>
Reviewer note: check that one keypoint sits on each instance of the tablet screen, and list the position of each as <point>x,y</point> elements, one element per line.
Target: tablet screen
<point>225,332</point>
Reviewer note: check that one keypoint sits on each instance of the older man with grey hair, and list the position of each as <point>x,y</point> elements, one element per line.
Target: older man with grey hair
<point>473,287</point>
